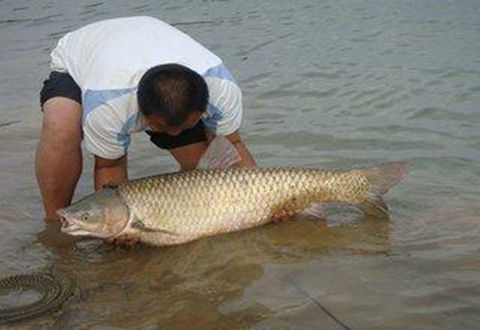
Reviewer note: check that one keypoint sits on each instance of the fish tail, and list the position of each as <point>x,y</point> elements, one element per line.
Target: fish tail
<point>381,179</point>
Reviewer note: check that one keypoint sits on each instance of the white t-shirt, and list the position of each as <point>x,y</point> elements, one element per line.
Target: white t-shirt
<point>108,58</point>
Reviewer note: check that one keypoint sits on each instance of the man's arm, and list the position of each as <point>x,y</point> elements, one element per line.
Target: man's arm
<point>189,155</point>
<point>108,171</point>
<point>246,157</point>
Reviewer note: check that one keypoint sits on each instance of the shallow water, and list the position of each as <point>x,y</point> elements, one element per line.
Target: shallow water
<point>326,84</point>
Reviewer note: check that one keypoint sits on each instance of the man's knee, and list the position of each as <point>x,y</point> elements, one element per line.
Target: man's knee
<point>62,121</point>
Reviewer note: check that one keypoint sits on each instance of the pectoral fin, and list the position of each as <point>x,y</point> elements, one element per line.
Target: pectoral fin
<point>140,225</point>
<point>315,210</point>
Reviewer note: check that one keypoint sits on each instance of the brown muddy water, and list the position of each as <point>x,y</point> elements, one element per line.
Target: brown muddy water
<point>326,84</point>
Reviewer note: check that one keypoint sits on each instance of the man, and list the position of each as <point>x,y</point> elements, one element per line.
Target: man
<point>116,77</point>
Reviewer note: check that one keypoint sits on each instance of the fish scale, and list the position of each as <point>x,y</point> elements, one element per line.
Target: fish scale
<point>187,205</point>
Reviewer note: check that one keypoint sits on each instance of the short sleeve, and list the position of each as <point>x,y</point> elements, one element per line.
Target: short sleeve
<point>224,111</point>
<point>103,134</point>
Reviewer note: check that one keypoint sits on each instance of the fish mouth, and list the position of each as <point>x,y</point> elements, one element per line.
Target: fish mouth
<point>69,225</point>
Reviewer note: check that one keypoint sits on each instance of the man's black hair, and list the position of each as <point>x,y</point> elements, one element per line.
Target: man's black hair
<point>173,92</point>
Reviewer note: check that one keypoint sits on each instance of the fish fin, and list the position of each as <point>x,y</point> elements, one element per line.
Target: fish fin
<point>384,176</point>
<point>140,225</point>
<point>381,178</point>
<point>220,154</point>
<point>374,207</point>
<point>315,210</point>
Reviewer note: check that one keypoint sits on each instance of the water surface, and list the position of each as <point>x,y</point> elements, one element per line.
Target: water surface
<point>326,84</point>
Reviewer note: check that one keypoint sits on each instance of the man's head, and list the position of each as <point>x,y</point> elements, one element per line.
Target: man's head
<point>172,98</point>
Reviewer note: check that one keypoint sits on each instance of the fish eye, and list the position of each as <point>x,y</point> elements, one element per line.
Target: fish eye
<point>85,216</point>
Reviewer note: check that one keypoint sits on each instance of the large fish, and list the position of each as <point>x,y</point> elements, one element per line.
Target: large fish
<point>180,207</point>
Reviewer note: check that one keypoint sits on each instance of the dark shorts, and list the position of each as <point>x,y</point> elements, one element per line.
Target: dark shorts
<point>62,84</point>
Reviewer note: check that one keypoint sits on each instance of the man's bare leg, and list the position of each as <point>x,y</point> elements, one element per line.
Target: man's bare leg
<point>58,162</point>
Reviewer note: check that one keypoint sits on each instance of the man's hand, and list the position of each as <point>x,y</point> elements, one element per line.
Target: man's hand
<point>123,241</point>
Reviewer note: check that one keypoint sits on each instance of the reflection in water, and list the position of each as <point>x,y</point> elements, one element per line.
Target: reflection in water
<point>188,284</point>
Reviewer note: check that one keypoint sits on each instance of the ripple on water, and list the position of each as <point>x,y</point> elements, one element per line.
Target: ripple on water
<point>326,84</point>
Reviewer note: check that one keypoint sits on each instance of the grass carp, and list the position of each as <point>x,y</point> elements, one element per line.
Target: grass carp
<point>180,207</point>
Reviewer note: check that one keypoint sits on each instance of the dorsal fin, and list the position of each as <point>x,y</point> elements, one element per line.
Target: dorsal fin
<point>220,154</point>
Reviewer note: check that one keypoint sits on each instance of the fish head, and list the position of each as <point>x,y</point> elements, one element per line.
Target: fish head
<point>103,214</point>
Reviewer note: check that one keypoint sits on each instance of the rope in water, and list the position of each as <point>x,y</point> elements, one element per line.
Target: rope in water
<point>54,290</point>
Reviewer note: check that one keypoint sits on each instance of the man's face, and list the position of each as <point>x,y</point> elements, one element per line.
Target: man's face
<point>157,124</point>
